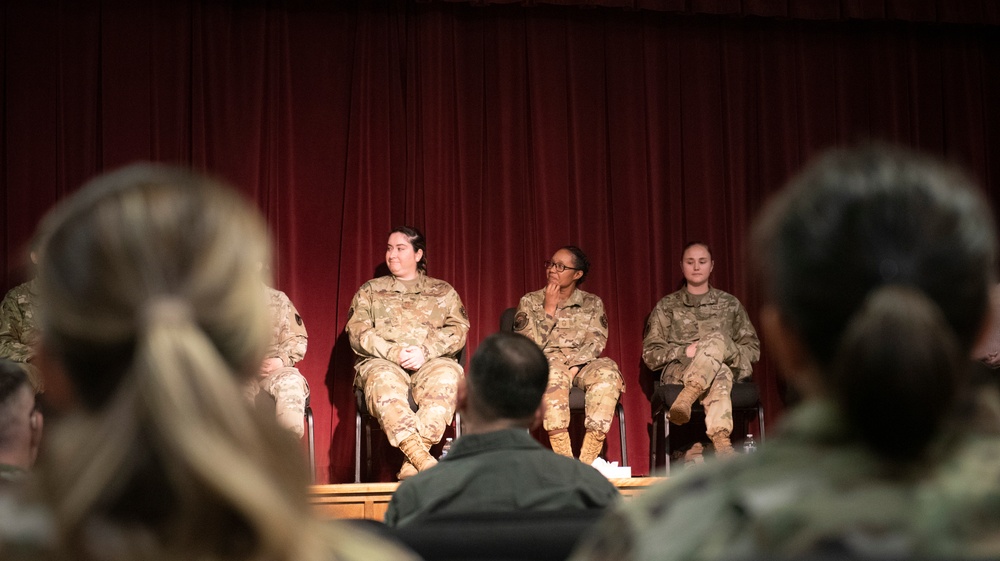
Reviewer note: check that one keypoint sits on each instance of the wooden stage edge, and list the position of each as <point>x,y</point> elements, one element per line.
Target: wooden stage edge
<point>370,500</point>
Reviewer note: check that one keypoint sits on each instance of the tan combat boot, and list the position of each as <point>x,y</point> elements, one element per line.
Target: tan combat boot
<point>416,454</point>
<point>406,471</point>
<point>680,411</point>
<point>593,443</point>
<point>694,455</point>
<point>720,440</point>
<point>559,439</point>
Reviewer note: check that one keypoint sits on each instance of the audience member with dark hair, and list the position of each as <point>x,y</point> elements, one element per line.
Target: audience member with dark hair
<point>496,466</point>
<point>876,265</point>
<point>20,422</point>
<point>571,328</point>
<point>407,330</point>
<point>152,319</point>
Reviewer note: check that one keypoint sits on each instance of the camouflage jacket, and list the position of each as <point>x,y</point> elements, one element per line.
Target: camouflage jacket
<point>12,474</point>
<point>575,336</point>
<point>386,317</point>
<point>18,331</point>
<point>680,319</point>
<point>289,338</point>
<point>814,488</point>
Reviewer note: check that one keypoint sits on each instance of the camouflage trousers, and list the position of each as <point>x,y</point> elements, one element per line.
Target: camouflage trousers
<point>708,370</point>
<point>600,379</point>
<point>388,389</point>
<point>289,389</point>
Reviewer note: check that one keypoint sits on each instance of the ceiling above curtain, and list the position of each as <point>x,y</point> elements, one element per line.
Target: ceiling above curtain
<point>981,12</point>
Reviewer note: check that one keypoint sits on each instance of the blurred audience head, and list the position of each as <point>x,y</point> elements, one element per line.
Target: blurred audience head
<point>20,420</point>
<point>153,316</point>
<point>876,265</point>
<point>506,379</point>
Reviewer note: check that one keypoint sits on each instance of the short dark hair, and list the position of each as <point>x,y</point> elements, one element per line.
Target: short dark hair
<point>416,239</point>
<point>580,261</point>
<point>12,377</point>
<point>507,377</point>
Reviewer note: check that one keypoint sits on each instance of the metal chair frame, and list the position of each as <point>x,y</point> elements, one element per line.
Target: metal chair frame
<point>364,417</point>
<point>746,398</point>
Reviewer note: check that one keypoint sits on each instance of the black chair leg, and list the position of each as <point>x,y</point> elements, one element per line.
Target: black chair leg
<point>621,432</point>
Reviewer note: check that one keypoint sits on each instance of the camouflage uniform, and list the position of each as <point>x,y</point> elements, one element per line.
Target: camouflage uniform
<point>988,349</point>
<point>288,343</point>
<point>574,337</point>
<point>727,345</point>
<point>812,489</point>
<point>11,474</point>
<point>387,316</point>
<point>18,332</point>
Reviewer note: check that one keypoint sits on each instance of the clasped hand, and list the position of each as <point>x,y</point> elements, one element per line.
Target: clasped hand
<point>412,358</point>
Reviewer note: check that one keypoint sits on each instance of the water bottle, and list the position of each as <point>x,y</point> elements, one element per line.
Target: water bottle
<point>749,445</point>
<point>445,448</point>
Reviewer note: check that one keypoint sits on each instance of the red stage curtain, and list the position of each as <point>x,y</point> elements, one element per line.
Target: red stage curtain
<point>502,131</point>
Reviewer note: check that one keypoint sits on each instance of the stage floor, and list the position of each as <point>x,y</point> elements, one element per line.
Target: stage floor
<point>370,500</point>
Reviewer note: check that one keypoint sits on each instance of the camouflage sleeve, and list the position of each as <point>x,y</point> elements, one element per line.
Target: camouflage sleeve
<point>612,539</point>
<point>658,349</point>
<point>745,338</point>
<point>532,321</point>
<point>361,331</point>
<point>291,340</point>
<point>11,322</point>
<point>448,339</point>
<point>595,335</point>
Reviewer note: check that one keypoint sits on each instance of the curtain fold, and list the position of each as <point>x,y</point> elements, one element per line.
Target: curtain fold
<point>502,131</point>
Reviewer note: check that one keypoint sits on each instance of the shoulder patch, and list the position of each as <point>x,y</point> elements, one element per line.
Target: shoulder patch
<point>604,321</point>
<point>465,315</point>
<point>520,321</point>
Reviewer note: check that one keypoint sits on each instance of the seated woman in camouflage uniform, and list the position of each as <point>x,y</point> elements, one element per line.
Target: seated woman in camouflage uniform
<point>407,330</point>
<point>701,337</point>
<point>571,328</point>
<point>152,318</point>
<point>876,266</point>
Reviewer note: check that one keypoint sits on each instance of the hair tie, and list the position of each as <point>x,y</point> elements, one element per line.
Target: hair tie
<point>170,310</point>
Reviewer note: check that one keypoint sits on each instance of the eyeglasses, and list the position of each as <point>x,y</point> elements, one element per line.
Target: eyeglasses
<point>559,267</point>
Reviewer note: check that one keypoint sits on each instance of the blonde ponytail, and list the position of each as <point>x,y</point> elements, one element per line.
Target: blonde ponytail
<point>152,302</point>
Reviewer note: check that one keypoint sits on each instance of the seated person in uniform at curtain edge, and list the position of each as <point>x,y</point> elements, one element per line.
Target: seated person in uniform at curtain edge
<point>152,319</point>
<point>571,328</point>
<point>18,332</point>
<point>876,265</point>
<point>278,375</point>
<point>20,422</point>
<point>496,466</point>
<point>407,330</point>
<point>988,349</point>
<point>702,338</point>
